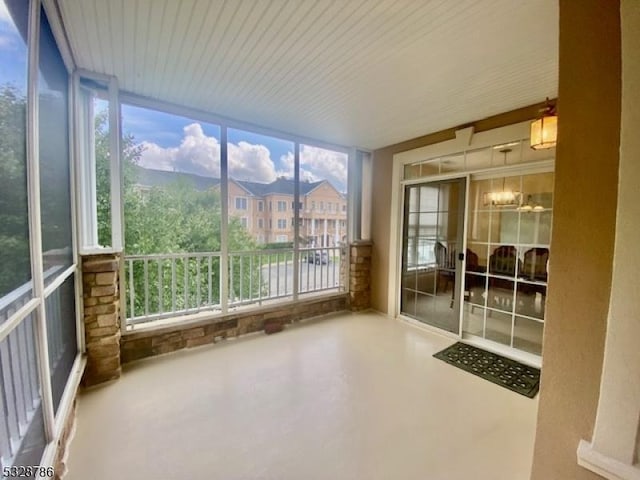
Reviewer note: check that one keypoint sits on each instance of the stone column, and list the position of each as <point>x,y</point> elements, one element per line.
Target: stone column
<point>101,317</point>
<point>360,275</point>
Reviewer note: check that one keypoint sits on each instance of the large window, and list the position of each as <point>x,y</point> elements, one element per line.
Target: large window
<point>324,184</point>
<point>55,175</point>
<point>55,201</point>
<point>260,263</point>
<point>323,175</point>
<point>37,281</point>
<point>172,213</point>
<point>20,397</point>
<point>15,261</point>
<point>195,216</point>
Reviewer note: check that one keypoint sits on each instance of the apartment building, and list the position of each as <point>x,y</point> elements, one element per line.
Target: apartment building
<point>266,210</point>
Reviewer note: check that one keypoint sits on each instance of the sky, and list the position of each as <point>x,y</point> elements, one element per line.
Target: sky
<point>13,51</point>
<point>176,143</point>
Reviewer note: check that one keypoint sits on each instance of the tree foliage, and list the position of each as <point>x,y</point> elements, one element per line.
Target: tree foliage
<point>15,267</point>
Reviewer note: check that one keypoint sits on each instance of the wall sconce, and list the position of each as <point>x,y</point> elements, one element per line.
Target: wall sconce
<point>544,130</point>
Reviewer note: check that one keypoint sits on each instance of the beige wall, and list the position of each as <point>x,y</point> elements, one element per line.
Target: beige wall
<point>582,242</point>
<point>616,431</point>
<point>381,205</point>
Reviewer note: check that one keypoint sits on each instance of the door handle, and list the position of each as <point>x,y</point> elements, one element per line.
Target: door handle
<point>461,256</point>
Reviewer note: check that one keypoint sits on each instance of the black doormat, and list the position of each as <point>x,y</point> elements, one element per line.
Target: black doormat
<point>500,370</point>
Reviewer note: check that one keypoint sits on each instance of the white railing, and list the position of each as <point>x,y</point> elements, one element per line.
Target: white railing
<point>169,285</point>
<point>164,285</point>
<point>20,387</point>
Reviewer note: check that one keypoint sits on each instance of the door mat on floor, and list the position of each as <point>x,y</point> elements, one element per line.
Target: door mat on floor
<point>500,370</point>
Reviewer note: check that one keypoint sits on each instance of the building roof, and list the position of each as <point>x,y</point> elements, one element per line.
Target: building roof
<point>280,186</point>
<point>148,177</point>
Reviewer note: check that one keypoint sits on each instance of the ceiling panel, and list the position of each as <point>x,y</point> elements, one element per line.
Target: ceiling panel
<point>358,72</point>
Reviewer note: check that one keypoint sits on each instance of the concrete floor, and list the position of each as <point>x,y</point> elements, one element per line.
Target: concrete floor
<point>354,396</point>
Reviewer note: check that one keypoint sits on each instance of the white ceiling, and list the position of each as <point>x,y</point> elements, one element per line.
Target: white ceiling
<point>353,72</point>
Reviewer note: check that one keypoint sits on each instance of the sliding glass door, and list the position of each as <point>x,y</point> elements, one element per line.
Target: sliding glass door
<point>475,256</point>
<point>431,253</point>
<point>507,254</point>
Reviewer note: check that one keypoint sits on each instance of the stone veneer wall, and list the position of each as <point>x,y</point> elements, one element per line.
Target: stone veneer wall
<point>150,342</point>
<point>360,275</point>
<point>101,317</point>
<point>107,350</point>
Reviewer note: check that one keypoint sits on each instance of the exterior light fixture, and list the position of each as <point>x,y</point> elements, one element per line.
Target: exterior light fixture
<point>544,130</point>
<point>502,198</point>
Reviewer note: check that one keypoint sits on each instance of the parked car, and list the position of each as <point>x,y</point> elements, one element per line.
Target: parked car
<point>318,257</point>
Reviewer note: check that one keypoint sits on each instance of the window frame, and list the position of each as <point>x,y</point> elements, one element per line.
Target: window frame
<point>225,124</point>
<point>243,201</point>
<point>53,421</point>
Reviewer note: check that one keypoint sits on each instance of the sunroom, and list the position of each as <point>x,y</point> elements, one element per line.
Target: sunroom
<point>180,178</point>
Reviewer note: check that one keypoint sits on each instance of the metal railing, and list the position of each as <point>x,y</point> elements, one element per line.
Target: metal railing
<point>161,286</point>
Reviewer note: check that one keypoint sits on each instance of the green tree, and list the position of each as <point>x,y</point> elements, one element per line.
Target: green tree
<point>15,267</point>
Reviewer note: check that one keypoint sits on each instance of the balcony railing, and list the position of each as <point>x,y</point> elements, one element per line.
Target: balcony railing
<point>20,385</point>
<point>162,286</point>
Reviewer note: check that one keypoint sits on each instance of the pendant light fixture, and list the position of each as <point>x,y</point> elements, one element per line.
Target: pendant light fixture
<point>502,198</point>
<point>544,130</point>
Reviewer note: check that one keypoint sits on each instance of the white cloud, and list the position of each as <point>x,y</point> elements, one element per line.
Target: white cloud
<point>286,165</point>
<point>251,162</point>
<point>200,154</point>
<point>5,16</point>
<point>318,163</point>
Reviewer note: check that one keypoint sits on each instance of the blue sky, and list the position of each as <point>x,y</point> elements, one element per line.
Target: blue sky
<point>13,51</point>
<point>166,130</point>
<point>176,143</point>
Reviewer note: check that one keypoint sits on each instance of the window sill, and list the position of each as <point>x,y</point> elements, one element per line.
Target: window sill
<point>99,251</point>
<point>604,465</point>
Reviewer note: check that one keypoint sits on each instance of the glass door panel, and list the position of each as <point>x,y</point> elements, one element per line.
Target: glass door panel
<point>432,239</point>
<point>505,284</point>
